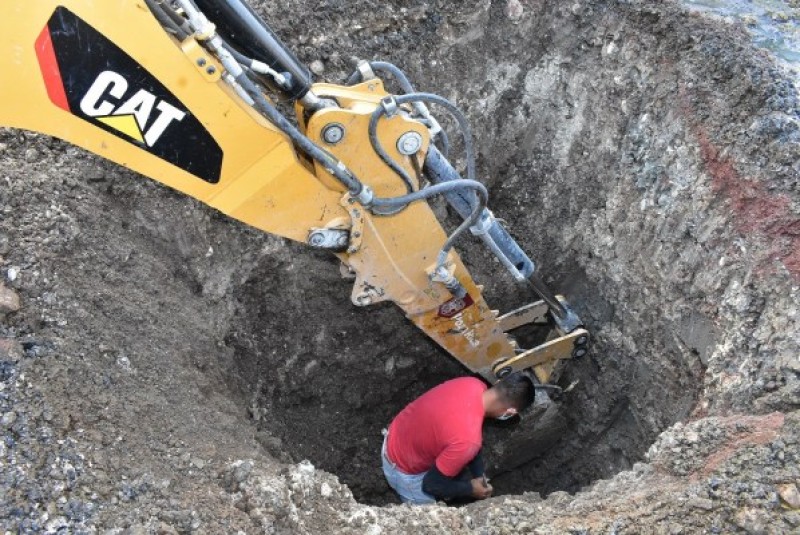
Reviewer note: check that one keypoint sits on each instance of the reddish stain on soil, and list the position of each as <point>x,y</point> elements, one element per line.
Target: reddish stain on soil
<point>744,431</point>
<point>757,211</point>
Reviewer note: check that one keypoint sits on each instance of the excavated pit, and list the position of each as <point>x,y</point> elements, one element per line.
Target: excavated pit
<point>646,158</point>
<point>591,148</point>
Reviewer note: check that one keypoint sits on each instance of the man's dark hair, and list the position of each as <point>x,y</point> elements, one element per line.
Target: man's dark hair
<point>516,390</point>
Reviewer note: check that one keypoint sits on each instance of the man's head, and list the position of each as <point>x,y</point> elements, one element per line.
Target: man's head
<point>508,397</point>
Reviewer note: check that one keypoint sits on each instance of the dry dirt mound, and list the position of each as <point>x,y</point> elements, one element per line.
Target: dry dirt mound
<point>164,369</point>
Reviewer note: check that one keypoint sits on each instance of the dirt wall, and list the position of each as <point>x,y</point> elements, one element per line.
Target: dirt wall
<point>168,370</point>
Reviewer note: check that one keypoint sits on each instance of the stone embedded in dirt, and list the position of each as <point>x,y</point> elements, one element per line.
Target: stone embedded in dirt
<point>514,10</point>
<point>317,67</point>
<point>8,419</point>
<point>790,495</point>
<point>9,301</point>
<point>12,273</point>
<point>10,350</point>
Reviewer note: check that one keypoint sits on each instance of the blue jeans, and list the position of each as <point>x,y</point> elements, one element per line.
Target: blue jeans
<point>409,487</point>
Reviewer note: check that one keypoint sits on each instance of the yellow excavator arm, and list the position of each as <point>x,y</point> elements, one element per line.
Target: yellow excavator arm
<point>177,91</point>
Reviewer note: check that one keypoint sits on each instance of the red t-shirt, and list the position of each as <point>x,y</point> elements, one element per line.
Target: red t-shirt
<point>443,426</point>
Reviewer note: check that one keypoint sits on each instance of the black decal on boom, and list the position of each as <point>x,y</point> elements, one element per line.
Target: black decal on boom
<point>108,88</point>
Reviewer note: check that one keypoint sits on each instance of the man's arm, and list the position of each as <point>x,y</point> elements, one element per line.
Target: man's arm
<point>438,484</point>
<point>476,466</point>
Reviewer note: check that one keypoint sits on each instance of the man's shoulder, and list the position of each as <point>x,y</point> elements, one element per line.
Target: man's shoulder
<point>465,384</point>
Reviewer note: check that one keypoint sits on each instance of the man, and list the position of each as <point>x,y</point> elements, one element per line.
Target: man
<point>437,436</point>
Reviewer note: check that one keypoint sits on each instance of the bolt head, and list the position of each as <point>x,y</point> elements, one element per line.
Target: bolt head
<point>409,143</point>
<point>504,372</point>
<point>201,62</point>
<point>579,352</point>
<point>333,133</point>
<point>316,239</point>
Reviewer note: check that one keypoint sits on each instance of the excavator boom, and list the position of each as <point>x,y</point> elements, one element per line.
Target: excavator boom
<point>178,91</point>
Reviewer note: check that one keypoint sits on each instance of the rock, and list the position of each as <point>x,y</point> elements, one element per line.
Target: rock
<point>8,419</point>
<point>166,529</point>
<point>389,366</point>
<point>242,470</point>
<point>317,67</point>
<point>12,273</point>
<point>701,503</point>
<point>789,495</point>
<point>326,490</point>
<point>9,300</point>
<point>31,155</point>
<point>10,350</point>
<point>514,10</point>
<point>752,521</point>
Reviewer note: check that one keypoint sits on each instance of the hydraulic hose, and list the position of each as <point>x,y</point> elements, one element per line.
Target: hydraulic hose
<point>462,121</point>
<point>238,24</point>
<point>175,16</point>
<point>407,87</point>
<point>334,166</point>
<point>439,189</point>
<point>385,157</point>
<point>165,20</point>
<point>331,164</point>
<point>258,67</point>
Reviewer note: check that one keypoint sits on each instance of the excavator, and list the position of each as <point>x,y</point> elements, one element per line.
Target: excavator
<point>198,95</point>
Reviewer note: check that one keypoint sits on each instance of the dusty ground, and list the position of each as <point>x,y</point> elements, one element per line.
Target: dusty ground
<point>168,370</point>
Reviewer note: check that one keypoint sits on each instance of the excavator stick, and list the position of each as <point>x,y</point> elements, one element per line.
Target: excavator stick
<point>178,91</point>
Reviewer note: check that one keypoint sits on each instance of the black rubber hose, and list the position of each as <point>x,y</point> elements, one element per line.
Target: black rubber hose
<point>328,161</point>
<point>164,20</point>
<point>353,78</point>
<point>238,56</point>
<point>445,143</point>
<point>355,187</point>
<point>182,23</point>
<point>439,189</point>
<point>405,85</point>
<point>466,132</point>
<point>378,148</point>
<point>463,123</point>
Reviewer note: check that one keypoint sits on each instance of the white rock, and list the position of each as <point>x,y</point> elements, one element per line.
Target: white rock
<point>514,10</point>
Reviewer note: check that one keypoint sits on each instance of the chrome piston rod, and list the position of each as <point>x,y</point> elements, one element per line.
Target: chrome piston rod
<point>439,170</point>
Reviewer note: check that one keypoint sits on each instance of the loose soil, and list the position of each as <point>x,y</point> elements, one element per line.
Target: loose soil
<point>170,370</point>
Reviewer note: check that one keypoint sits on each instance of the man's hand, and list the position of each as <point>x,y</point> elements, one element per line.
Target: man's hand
<point>481,489</point>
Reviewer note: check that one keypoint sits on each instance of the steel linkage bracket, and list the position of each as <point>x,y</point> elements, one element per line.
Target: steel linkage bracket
<point>356,212</point>
<point>542,358</point>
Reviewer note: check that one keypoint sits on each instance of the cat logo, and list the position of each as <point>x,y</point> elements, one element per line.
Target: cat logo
<point>106,101</point>
<point>90,77</point>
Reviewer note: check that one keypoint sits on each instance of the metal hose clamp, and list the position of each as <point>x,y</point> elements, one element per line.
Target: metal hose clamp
<point>483,225</point>
<point>365,69</point>
<point>389,105</point>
